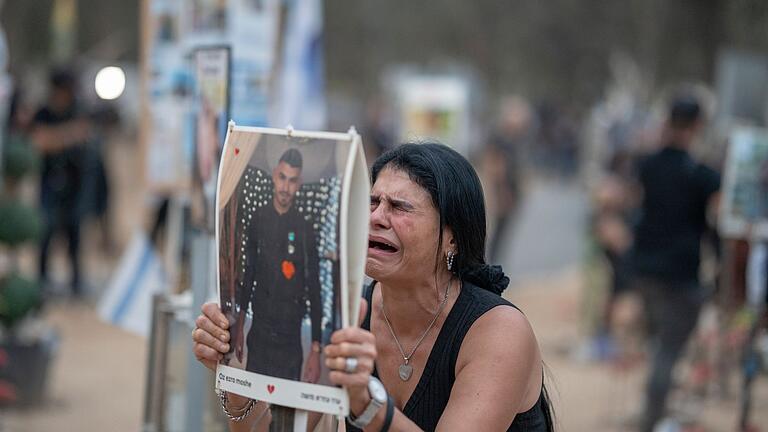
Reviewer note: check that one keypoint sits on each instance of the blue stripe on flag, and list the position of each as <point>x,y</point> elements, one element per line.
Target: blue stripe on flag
<point>133,286</point>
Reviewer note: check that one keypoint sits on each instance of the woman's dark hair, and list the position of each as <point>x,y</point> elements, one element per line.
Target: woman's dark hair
<point>457,195</point>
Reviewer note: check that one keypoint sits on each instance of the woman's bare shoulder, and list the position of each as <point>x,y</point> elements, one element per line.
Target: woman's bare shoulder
<point>503,331</point>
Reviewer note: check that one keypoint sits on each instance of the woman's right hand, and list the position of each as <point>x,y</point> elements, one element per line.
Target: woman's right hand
<point>210,336</point>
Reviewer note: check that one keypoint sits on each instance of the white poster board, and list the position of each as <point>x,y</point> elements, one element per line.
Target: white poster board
<point>291,237</point>
<point>434,106</point>
<point>744,209</point>
<point>212,80</point>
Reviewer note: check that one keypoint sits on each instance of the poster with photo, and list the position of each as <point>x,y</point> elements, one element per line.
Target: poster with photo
<point>433,106</point>
<point>206,22</point>
<point>291,236</point>
<point>208,16</point>
<point>211,114</point>
<point>254,29</point>
<point>168,95</point>
<point>744,211</point>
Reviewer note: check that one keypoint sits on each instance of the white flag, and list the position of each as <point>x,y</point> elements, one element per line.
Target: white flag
<point>299,99</point>
<point>127,301</point>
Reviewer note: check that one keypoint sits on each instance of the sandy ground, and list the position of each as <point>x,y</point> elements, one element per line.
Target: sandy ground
<point>97,379</point>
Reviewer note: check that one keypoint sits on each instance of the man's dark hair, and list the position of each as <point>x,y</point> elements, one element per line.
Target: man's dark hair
<point>63,79</point>
<point>292,157</point>
<point>684,112</point>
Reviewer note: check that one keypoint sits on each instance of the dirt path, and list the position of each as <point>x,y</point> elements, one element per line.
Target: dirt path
<point>97,379</point>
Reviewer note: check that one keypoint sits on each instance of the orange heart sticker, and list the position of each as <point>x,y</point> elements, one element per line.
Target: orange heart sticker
<point>288,269</point>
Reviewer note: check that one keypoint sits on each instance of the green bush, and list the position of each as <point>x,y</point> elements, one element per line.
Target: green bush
<point>18,297</point>
<point>19,158</point>
<point>18,223</point>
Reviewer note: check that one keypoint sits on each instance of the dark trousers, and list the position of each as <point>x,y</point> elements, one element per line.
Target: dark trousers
<point>274,354</point>
<point>672,311</point>
<point>72,230</point>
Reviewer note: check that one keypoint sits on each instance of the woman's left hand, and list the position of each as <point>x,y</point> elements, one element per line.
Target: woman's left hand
<point>352,342</point>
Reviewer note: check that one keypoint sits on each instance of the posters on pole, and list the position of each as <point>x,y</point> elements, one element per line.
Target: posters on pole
<point>291,236</point>
<point>212,68</point>
<point>168,97</point>
<point>208,16</point>
<point>253,30</point>
<point>178,28</point>
<point>205,23</point>
<point>744,210</point>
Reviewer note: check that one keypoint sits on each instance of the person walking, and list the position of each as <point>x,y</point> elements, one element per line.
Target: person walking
<point>677,192</point>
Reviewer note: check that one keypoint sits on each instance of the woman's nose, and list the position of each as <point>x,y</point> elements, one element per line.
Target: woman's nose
<point>379,217</point>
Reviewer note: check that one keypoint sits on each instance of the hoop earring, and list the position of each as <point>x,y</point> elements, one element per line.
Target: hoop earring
<point>449,260</point>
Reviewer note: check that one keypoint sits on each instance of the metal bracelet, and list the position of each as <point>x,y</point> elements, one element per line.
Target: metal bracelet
<point>244,411</point>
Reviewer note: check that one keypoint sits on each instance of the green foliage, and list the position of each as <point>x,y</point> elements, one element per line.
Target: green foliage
<point>19,158</point>
<point>18,297</point>
<point>18,223</point>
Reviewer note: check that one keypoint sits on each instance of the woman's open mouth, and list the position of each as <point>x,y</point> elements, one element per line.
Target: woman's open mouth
<point>381,245</point>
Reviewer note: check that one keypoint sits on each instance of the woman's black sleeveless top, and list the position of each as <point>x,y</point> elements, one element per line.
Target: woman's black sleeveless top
<point>430,397</point>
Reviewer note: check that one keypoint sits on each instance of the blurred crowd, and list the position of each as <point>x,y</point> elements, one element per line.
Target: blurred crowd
<point>672,280</point>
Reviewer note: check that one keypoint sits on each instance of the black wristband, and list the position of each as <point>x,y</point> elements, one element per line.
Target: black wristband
<point>389,415</point>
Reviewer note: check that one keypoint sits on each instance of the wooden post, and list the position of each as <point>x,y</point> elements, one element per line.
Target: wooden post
<point>145,35</point>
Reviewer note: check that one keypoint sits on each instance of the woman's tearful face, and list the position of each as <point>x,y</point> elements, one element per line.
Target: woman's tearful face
<point>404,228</point>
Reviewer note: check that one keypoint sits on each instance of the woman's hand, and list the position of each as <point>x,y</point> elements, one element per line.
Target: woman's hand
<point>359,344</point>
<point>210,336</point>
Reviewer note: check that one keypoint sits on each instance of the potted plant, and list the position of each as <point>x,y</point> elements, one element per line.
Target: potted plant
<point>26,344</point>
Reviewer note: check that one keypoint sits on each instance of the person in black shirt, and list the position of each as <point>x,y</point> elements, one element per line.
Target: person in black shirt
<point>677,192</point>
<point>60,130</point>
<point>280,276</point>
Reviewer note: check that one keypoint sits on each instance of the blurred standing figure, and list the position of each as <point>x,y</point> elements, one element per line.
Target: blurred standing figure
<point>665,258</point>
<point>378,136</point>
<point>60,131</point>
<point>502,168</point>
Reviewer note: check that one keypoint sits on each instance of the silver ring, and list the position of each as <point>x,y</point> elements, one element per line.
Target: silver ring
<point>350,365</point>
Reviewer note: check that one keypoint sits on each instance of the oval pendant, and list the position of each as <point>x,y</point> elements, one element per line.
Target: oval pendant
<point>405,372</point>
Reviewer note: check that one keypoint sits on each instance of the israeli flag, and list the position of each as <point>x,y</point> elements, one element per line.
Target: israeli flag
<point>127,301</point>
<point>299,99</point>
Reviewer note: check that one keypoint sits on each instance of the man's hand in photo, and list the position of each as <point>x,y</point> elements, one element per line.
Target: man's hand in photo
<point>312,367</point>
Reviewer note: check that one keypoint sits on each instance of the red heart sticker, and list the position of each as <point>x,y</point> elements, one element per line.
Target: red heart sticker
<point>288,269</point>
<point>237,150</point>
<point>270,388</point>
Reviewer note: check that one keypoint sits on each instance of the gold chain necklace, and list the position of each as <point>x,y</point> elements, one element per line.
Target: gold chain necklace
<point>406,370</point>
